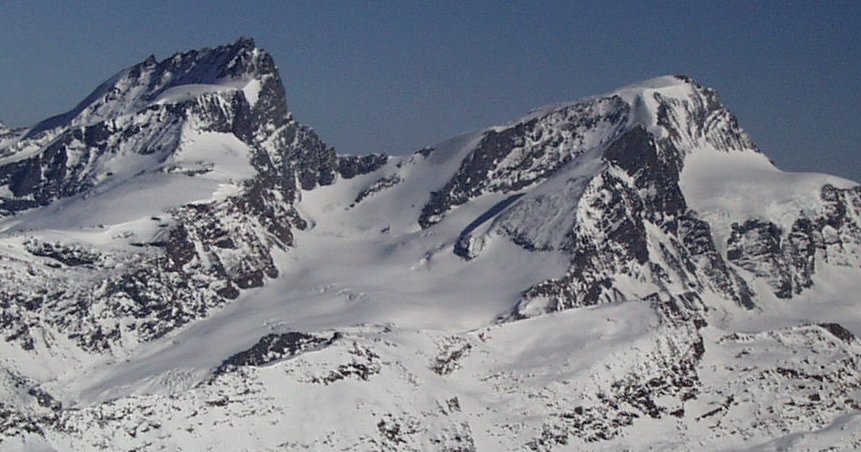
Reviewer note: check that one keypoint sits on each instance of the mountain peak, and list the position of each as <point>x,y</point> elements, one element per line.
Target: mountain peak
<point>245,42</point>
<point>674,107</point>
<point>681,87</point>
<point>178,78</point>
<point>660,82</point>
<point>689,114</point>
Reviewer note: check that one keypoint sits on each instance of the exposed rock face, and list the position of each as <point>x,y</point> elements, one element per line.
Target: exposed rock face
<point>350,166</point>
<point>787,259</point>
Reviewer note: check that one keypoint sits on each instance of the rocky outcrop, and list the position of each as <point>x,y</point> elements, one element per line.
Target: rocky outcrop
<point>787,259</point>
<point>275,347</point>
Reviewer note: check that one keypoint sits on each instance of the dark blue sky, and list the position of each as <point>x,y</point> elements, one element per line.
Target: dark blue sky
<point>396,76</point>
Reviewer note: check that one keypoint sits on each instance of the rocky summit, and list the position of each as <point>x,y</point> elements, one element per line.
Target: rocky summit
<point>187,267</point>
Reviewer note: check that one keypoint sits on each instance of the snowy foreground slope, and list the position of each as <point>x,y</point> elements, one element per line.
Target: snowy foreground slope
<point>186,267</point>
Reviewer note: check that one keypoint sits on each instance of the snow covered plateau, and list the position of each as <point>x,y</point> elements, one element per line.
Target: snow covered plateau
<point>184,266</point>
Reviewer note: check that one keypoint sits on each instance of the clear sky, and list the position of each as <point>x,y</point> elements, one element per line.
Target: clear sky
<point>388,76</point>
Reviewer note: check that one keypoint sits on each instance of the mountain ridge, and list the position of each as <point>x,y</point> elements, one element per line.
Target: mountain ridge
<point>186,64</point>
<point>183,254</point>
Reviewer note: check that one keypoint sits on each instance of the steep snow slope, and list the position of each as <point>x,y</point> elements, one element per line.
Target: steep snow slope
<point>189,268</point>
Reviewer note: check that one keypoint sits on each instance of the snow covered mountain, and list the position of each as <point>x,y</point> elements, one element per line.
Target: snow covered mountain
<point>187,267</point>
